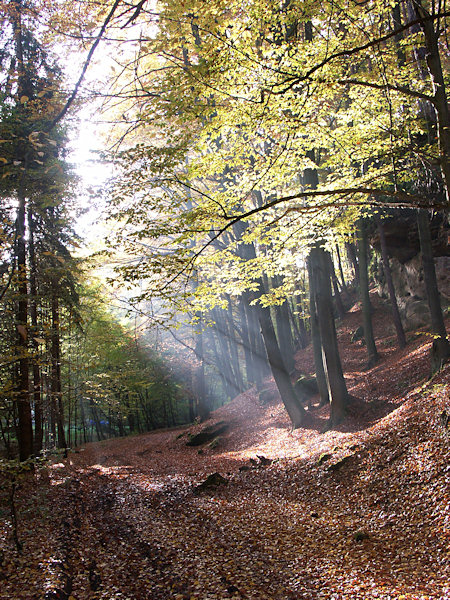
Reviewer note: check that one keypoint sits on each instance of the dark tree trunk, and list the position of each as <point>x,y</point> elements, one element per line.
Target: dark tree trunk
<point>364,294</point>
<point>351,254</point>
<point>341,270</point>
<point>441,346</point>
<point>284,331</point>
<point>97,424</point>
<point>56,374</point>
<point>218,363</point>
<point>234,345</point>
<point>337,388</point>
<point>293,407</point>
<point>441,106</point>
<point>37,398</point>
<point>25,426</point>
<point>200,389</point>
<point>337,296</point>
<point>223,358</point>
<point>322,383</point>
<point>249,366</point>
<point>247,252</point>
<point>401,338</point>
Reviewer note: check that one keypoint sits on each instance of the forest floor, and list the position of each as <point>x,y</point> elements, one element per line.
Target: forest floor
<point>360,512</point>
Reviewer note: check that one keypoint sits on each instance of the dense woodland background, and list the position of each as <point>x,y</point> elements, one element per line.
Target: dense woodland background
<point>267,268</point>
<point>269,162</point>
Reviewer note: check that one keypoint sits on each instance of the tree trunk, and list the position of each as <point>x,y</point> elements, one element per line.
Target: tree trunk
<point>337,388</point>
<point>234,347</point>
<point>249,365</point>
<point>56,374</point>
<point>341,270</point>
<point>337,296</point>
<point>441,346</point>
<point>293,407</point>
<point>25,426</point>
<point>401,338</point>
<point>351,254</point>
<point>224,363</point>
<point>433,59</point>
<point>37,398</point>
<point>322,383</point>
<point>364,294</point>
<point>200,390</point>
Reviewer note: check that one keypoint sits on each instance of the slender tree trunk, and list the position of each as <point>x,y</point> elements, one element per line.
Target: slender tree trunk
<point>441,346</point>
<point>351,254</point>
<point>441,106</point>
<point>56,373</point>
<point>234,351</point>
<point>202,404</point>
<point>364,294</point>
<point>22,391</point>
<point>283,330</point>
<point>37,398</point>
<point>341,270</point>
<point>250,375</point>
<point>25,426</point>
<point>337,388</point>
<point>293,407</point>
<point>337,296</point>
<point>401,338</point>
<point>321,379</point>
<point>223,362</point>
<point>218,363</point>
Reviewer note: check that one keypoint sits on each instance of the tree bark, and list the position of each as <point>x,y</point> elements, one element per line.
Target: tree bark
<point>25,425</point>
<point>364,295</point>
<point>341,270</point>
<point>401,338</point>
<point>322,383</point>
<point>293,407</point>
<point>37,398</point>
<point>284,331</point>
<point>56,374</point>
<point>337,387</point>
<point>337,296</point>
<point>441,346</point>
<point>434,64</point>
<point>351,254</point>
<point>200,389</point>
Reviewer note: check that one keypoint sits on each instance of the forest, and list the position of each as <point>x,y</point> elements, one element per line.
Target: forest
<point>225,356</point>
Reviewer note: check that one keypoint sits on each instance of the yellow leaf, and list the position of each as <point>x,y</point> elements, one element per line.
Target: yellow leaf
<point>24,99</point>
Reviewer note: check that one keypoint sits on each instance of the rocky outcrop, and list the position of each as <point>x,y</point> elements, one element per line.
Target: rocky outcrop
<point>406,265</point>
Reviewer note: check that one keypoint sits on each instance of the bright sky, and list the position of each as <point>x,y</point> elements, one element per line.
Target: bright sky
<point>86,144</point>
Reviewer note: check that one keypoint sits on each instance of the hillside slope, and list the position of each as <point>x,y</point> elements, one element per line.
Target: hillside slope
<point>361,512</point>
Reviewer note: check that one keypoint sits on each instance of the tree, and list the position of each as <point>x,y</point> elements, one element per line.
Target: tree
<point>364,294</point>
<point>321,291</point>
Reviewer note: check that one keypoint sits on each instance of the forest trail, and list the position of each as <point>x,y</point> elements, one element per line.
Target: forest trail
<point>360,512</point>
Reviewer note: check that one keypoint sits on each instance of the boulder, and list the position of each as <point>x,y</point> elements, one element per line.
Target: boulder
<point>208,434</point>
<point>268,395</point>
<point>306,387</point>
<point>213,481</point>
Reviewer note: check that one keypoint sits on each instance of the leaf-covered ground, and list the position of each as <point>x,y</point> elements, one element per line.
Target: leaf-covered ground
<point>361,512</point>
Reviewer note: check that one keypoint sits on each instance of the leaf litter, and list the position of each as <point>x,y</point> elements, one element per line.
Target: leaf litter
<point>360,512</point>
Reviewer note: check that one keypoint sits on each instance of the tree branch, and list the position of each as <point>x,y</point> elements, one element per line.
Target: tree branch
<point>87,62</point>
